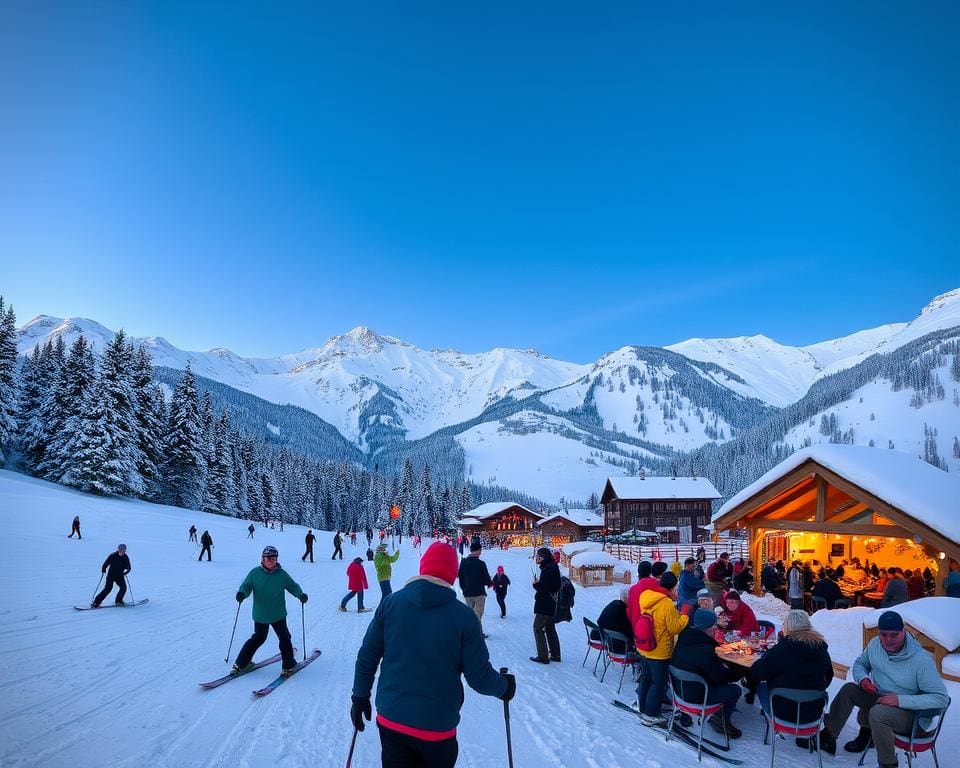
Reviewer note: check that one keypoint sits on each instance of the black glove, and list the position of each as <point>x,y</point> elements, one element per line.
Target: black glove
<point>240,597</point>
<point>360,706</point>
<point>303,597</point>
<point>511,687</point>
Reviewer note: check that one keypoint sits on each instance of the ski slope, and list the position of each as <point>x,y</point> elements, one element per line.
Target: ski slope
<point>120,687</point>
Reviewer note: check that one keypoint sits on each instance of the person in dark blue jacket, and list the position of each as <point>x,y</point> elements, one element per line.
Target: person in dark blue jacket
<point>689,583</point>
<point>116,566</point>
<point>422,638</point>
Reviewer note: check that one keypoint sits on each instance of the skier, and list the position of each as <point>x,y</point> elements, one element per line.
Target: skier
<point>250,530</point>
<point>369,533</point>
<point>193,533</point>
<point>424,627</point>
<point>206,541</point>
<point>116,566</point>
<point>384,565</point>
<point>474,580</point>
<point>309,539</point>
<point>356,583</point>
<point>500,583</point>
<point>268,582</point>
<point>337,542</point>
<point>353,538</point>
<point>75,528</point>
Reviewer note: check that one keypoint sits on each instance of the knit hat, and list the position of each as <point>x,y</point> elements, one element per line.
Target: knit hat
<point>703,593</point>
<point>270,552</point>
<point>544,552</point>
<point>732,595</point>
<point>475,546</point>
<point>668,580</point>
<point>704,619</point>
<point>499,569</point>
<point>890,621</point>
<point>122,547</point>
<point>440,560</point>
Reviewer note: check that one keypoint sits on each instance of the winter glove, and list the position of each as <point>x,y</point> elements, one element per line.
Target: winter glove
<point>868,685</point>
<point>240,597</point>
<point>687,609</point>
<point>511,687</point>
<point>303,597</point>
<point>358,710</point>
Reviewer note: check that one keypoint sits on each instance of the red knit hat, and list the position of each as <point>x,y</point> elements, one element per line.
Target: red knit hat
<point>440,560</point>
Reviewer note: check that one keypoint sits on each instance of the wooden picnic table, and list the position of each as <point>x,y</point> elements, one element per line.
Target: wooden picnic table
<point>746,660</point>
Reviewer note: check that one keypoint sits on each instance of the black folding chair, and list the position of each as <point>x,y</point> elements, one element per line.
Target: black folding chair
<point>808,729</point>
<point>594,643</point>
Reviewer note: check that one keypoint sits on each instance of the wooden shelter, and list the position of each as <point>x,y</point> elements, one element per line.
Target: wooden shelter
<point>837,502</point>
<point>683,504</point>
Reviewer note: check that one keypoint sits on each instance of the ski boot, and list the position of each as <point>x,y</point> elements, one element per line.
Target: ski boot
<point>237,671</point>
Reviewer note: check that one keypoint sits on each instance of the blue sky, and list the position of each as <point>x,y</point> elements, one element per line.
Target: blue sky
<point>568,177</point>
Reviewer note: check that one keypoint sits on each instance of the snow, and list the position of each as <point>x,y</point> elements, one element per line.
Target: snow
<point>951,664</point>
<point>937,617</point>
<point>589,558</point>
<point>581,546</point>
<point>495,507</point>
<point>119,687</point>
<point>924,492</point>
<point>843,629</point>
<point>663,488</point>
<point>585,518</point>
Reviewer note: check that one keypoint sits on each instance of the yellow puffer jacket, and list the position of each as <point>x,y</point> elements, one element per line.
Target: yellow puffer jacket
<point>667,622</point>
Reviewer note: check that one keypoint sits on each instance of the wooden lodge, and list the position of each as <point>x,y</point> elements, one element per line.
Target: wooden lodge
<point>678,507</point>
<point>570,525</point>
<point>503,521</point>
<point>832,503</point>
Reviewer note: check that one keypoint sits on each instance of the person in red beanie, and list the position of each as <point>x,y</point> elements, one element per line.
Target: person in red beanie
<point>423,639</point>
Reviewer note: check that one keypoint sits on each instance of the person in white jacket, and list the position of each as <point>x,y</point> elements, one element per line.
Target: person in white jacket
<point>895,679</point>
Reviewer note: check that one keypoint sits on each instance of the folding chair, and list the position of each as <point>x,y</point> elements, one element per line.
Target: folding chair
<point>795,727</point>
<point>918,740</point>
<point>685,699</point>
<point>612,643</point>
<point>594,643</point>
<point>767,627</point>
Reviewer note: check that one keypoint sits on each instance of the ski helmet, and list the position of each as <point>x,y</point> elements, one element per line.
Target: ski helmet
<point>270,552</point>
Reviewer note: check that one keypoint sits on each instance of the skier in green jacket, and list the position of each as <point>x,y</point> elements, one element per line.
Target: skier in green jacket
<point>384,566</point>
<point>268,582</point>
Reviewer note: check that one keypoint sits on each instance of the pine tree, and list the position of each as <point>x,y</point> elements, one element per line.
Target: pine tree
<point>220,496</point>
<point>39,377</point>
<point>74,389</point>
<point>150,419</point>
<point>8,378</point>
<point>184,470</point>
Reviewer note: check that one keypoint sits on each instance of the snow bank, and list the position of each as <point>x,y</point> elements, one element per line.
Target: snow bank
<point>768,605</point>
<point>581,546</point>
<point>937,617</point>
<point>843,630</point>
<point>582,559</point>
<point>621,567</point>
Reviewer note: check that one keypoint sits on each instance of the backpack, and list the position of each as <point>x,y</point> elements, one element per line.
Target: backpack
<point>565,598</point>
<point>644,634</point>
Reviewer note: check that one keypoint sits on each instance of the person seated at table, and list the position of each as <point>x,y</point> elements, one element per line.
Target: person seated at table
<point>914,584</point>
<point>689,583</point>
<point>894,680</point>
<point>738,616</point>
<point>799,660</point>
<point>705,600</point>
<point>696,651</point>
<point>743,581</point>
<point>827,588</point>
<point>840,570</point>
<point>882,582</point>
<point>614,617</point>
<point>874,571</point>
<point>896,590</point>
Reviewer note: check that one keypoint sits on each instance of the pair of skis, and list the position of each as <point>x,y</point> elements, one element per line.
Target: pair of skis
<point>684,737</point>
<point>266,690</point>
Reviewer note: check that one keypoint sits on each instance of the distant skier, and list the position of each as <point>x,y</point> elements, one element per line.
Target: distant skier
<point>75,528</point>
<point>337,542</point>
<point>193,533</point>
<point>384,565</point>
<point>116,566</point>
<point>356,583</point>
<point>309,539</point>
<point>206,541</point>
<point>369,534</point>
<point>268,582</point>
<point>353,538</point>
<point>250,530</point>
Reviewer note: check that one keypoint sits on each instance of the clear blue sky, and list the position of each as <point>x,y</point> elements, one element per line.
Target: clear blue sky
<point>566,177</point>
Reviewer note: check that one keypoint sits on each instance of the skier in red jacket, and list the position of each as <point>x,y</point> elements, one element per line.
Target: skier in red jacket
<point>356,583</point>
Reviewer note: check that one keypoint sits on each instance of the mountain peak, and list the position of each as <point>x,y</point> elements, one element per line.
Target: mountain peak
<point>940,302</point>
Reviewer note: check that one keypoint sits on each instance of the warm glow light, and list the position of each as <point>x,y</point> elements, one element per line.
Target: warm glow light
<point>942,555</point>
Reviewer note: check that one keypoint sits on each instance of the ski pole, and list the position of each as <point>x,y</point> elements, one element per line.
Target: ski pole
<point>229,647</point>
<point>506,720</point>
<point>97,589</point>
<point>303,626</point>
<point>353,743</point>
<point>130,587</point>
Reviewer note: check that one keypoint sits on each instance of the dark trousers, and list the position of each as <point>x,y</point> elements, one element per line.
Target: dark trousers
<point>349,596</point>
<point>206,548</point>
<point>398,750</point>
<point>308,552</point>
<point>502,602</point>
<point>111,580</point>
<point>882,720</point>
<point>250,534</point>
<point>545,635</point>
<point>385,588</point>
<point>75,530</point>
<point>337,551</point>
<point>259,637</point>
<point>796,603</point>
<point>653,686</point>
<point>728,695</point>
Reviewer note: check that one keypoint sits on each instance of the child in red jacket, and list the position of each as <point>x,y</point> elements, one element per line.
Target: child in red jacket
<point>356,583</point>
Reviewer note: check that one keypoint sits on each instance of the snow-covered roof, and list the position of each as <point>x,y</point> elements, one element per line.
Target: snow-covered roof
<point>592,558</point>
<point>662,488</point>
<point>492,508</point>
<point>937,617</point>
<point>585,518</point>
<point>468,521</point>
<point>922,491</point>
<point>581,546</point>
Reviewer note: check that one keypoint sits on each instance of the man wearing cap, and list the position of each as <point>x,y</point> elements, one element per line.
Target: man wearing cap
<point>696,651</point>
<point>689,583</point>
<point>268,582</point>
<point>423,639</point>
<point>383,563</point>
<point>894,679</point>
<point>474,580</point>
<point>116,566</point>
<point>546,589</point>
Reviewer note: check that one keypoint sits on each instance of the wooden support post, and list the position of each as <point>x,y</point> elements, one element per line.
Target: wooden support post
<point>821,499</point>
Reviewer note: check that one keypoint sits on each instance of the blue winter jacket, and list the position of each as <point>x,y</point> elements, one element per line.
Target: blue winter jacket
<point>423,639</point>
<point>688,586</point>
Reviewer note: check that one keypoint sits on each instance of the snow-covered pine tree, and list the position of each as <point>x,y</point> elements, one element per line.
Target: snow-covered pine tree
<point>38,379</point>
<point>150,419</point>
<point>8,378</point>
<point>220,495</point>
<point>77,382</point>
<point>51,412</point>
<point>184,469</point>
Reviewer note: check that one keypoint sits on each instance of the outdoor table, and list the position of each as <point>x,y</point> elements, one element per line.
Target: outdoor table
<point>745,660</point>
<point>873,598</point>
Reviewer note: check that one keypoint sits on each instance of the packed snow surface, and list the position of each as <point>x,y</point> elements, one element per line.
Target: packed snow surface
<point>119,687</point>
<point>937,617</point>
